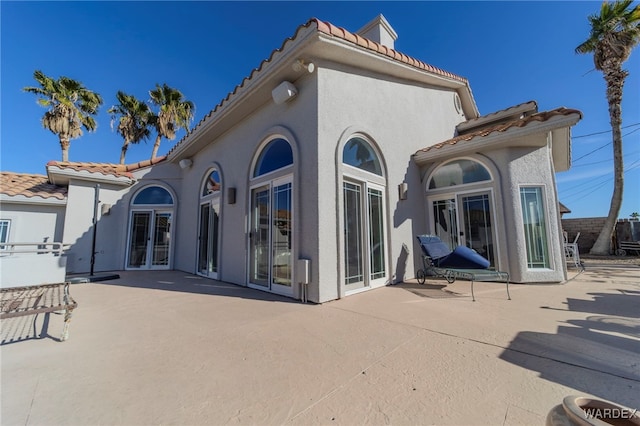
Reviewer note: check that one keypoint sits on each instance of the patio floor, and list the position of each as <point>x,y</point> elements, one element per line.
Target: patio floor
<point>173,348</point>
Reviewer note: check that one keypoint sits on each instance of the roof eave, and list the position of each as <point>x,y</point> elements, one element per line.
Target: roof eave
<point>36,200</point>
<point>496,139</point>
<point>61,176</point>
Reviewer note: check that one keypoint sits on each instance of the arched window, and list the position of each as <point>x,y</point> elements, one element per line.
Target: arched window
<point>364,216</point>
<point>150,230</point>
<point>276,155</point>
<point>153,195</point>
<point>209,225</point>
<point>358,153</point>
<point>211,184</point>
<point>271,232</point>
<point>459,172</point>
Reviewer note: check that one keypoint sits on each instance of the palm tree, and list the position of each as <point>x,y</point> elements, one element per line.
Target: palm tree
<point>614,34</point>
<point>70,107</point>
<point>134,118</point>
<point>174,113</point>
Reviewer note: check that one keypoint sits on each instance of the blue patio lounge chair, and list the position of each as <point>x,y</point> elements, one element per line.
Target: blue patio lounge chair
<point>461,263</point>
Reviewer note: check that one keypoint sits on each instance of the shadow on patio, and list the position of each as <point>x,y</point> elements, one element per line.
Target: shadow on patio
<point>188,283</point>
<point>607,343</point>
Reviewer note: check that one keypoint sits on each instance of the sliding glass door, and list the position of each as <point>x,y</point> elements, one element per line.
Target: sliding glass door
<point>364,236</point>
<point>271,236</point>
<point>465,219</point>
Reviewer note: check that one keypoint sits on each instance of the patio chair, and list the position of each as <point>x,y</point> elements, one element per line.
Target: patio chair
<point>571,251</point>
<point>460,263</point>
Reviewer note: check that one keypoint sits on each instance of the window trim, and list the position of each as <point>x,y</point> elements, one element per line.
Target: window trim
<point>548,265</point>
<point>7,234</point>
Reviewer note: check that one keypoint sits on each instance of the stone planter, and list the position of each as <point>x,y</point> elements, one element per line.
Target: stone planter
<point>587,411</point>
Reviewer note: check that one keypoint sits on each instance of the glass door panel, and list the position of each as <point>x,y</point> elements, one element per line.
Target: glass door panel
<point>446,221</point>
<point>376,234</point>
<point>204,237</point>
<point>139,239</point>
<point>354,268</point>
<point>478,231</point>
<point>259,237</point>
<point>208,239</point>
<point>161,239</point>
<point>281,235</point>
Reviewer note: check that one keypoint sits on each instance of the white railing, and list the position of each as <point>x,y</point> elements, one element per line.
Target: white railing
<point>28,264</point>
<point>33,248</point>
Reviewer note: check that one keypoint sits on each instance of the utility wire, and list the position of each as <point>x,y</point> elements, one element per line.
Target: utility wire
<point>599,184</point>
<point>603,132</point>
<point>603,146</point>
<point>605,161</point>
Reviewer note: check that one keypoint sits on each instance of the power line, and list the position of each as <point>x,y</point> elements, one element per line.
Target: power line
<point>605,145</point>
<point>605,161</point>
<point>599,184</point>
<point>603,132</point>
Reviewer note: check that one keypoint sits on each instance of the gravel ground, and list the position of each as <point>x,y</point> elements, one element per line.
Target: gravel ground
<point>590,259</point>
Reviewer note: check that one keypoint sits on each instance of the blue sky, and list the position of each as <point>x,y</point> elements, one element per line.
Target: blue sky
<point>511,52</point>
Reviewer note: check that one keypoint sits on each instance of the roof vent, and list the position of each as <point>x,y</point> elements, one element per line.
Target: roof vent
<point>380,31</point>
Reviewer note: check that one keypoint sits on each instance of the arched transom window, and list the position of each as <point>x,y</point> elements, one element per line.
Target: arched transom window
<point>211,184</point>
<point>153,195</point>
<point>358,153</point>
<point>276,155</point>
<point>459,172</point>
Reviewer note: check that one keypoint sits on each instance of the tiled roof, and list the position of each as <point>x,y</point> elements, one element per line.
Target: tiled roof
<point>502,127</point>
<point>30,185</point>
<point>328,28</point>
<point>119,170</point>
<point>334,31</point>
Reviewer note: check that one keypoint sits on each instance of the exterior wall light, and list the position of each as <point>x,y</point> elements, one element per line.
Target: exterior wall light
<point>301,65</point>
<point>403,188</point>
<point>284,92</point>
<point>231,196</point>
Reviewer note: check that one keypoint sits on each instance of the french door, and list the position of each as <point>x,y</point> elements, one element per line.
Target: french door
<point>271,237</point>
<point>149,240</point>
<point>364,235</point>
<point>208,238</point>
<point>466,219</point>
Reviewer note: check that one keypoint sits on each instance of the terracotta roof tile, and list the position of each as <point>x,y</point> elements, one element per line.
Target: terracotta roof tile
<point>502,127</point>
<point>332,30</point>
<point>30,185</point>
<point>119,170</point>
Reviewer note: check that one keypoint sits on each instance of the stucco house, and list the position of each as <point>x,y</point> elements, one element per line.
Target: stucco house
<point>321,167</point>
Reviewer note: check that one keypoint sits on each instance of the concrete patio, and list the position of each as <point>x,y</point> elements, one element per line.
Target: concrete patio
<point>172,348</point>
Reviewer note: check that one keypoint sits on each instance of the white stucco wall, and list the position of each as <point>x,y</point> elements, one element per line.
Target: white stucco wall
<point>78,227</point>
<point>32,223</point>
<point>233,154</point>
<point>400,118</point>
<point>531,167</point>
